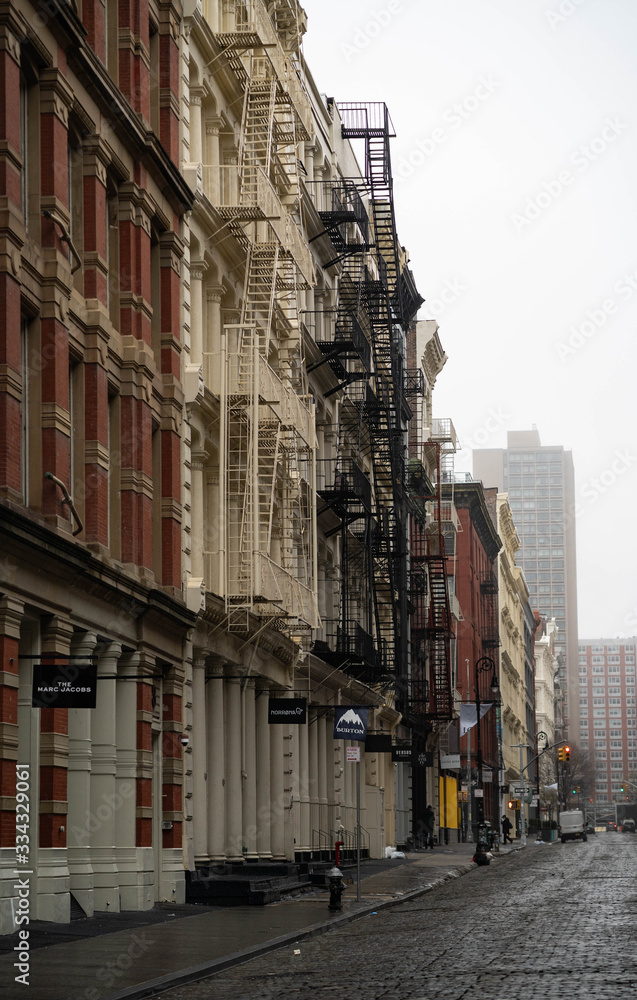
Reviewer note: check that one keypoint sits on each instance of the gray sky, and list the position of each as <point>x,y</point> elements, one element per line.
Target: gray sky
<point>515,169</point>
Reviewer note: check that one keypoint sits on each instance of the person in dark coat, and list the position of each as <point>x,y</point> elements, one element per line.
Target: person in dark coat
<point>429,819</point>
<point>506,829</point>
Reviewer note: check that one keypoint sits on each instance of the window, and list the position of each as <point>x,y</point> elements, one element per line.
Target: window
<point>615,732</point>
<point>598,659</point>
<point>614,670</point>
<point>597,649</point>
<point>630,690</point>
<point>600,745</point>
<point>599,701</point>
<point>616,711</point>
<point>614,690</point>
<point>583,701</point>
<point>616,754</point>
<point>616,744</point>
<point>628,669</point>
<point>599,712</point>
<point>597,670</point>
<point>613,659</point>
<point>599,732</point>
<point>629,701</point>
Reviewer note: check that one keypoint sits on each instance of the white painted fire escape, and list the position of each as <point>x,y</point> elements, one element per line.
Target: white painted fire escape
<point>269,438</point>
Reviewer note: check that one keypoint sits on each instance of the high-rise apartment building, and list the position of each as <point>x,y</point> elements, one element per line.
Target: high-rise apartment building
<point>608,713</point>
<point>540,482</point>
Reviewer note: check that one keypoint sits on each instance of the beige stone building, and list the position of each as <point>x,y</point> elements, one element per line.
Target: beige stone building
<point>513,596</point>
<point>296,288</point>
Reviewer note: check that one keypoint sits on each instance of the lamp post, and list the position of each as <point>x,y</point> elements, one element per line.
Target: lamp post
<point>483,664</point>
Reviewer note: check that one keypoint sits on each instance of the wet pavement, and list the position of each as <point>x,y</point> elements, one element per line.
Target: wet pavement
<point>130,956</point>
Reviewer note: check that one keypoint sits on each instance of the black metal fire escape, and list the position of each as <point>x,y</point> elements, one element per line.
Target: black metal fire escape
<point>376,298</point>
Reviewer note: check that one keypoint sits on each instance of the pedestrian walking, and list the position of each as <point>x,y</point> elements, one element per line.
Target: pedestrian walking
<point>506,829</point>
<point>429,819</point>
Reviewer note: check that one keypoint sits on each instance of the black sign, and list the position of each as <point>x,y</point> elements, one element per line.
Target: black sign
<point>378,743</point>
<point>65,684</point>
<point>401,755</point>
<point>350,723</point>
<point>284,710</point>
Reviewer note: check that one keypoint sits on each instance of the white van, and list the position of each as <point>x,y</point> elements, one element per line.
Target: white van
<point>572,825</point>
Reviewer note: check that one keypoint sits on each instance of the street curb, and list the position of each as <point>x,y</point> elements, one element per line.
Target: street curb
<point>196,972</point>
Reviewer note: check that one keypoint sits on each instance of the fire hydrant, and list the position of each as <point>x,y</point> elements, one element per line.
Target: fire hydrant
<point>336,889</point>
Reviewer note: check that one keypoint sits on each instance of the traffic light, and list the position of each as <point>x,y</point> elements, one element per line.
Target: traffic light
<point>510,804</point>
<point>561,754</point>
<point>621,788</point>
<point>567,753</point>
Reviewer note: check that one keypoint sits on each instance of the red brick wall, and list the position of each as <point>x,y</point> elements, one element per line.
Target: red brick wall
<point>10,146</point>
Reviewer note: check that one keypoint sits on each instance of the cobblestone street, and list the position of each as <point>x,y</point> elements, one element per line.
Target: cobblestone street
<point>552,921</point>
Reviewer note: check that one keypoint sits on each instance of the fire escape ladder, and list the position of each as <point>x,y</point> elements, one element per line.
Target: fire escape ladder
<point>490,624</point>
<point>268,420</point>
<point>438,637</point>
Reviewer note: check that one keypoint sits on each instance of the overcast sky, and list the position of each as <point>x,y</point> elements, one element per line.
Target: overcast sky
<point>515,168</point>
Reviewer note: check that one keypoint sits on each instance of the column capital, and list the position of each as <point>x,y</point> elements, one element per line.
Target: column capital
<point>57,633</point>
<point>11,614</point>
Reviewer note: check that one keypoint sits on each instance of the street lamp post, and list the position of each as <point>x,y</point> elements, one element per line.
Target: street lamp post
<point>483,664</point>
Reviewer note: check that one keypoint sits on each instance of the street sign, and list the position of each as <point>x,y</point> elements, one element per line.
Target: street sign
<point>478,793</point>
<point>450,760</point>
<point>284,710</point>
<point>353,754</point>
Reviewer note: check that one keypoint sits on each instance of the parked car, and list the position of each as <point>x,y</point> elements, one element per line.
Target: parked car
<point>611,826</point>
<point>628,826</point>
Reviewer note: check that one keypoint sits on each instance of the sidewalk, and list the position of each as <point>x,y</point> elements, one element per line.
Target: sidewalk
<point>129,956</point>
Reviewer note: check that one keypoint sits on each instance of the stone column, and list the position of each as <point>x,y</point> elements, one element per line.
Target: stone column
<point>265,807</point>
<point>234,810</point>
<point>197,270</point>
<point>16,748</point>
<point>102,794</point>
<point>197,462</point>
<point>199,758</point>
<point>130,887</point>
<point>52,863</point>
<point>322,775</point>
<point>249,773</point>
<point>304,789</point>
<point>216,183</point>
<point>79,786</point>
<point>279,801</point>
<point>195,124</point>
<point>313,766</point>
<point>216,763</point>
<point>212,340</point>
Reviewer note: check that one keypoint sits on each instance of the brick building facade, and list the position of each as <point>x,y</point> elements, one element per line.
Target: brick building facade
<point>92,205</point>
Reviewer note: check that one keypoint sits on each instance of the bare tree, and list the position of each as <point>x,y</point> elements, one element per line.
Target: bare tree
<point>575,779</point>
